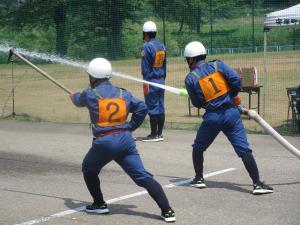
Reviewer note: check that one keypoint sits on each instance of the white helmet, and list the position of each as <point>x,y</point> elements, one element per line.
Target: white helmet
<point>99,68</point>
<point>194,49</point>
<point>149,26</point>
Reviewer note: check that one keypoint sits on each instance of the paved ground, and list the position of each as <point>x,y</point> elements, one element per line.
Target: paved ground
<point>41,181</point>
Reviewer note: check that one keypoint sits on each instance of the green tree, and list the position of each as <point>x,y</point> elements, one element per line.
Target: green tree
<point>95,22</point>
<point>59,18</point>
<point>115,13</point>
<point>280,3</point>
<point>192,13</point>
<point>6,9</point>
<point>41,13</point>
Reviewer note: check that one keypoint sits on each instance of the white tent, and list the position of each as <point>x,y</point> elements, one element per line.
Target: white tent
<point>286,18</point>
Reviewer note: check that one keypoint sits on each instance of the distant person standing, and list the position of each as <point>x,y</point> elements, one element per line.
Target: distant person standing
<point>153,63</point>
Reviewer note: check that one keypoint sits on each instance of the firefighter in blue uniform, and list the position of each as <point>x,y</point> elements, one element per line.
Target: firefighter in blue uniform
<point>153,63</point>
<point>109,107</point>
<point>214,86</point>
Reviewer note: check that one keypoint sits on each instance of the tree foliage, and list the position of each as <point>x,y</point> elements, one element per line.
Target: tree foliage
<point>112,28</point>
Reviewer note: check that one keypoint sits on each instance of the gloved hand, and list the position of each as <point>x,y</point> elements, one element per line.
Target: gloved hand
<point>237,101</point>
<point>71,95</point>
<point>146,89</point>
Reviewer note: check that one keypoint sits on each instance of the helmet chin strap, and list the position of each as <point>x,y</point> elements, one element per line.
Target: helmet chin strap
<point>92,81</point>
<point>191,63</point>
<point>145,37</point>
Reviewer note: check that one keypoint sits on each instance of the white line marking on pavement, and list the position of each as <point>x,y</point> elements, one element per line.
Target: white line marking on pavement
<point>71,211</point>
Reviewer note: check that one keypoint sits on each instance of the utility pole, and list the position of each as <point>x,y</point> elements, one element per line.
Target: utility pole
<point>164,22</point>
<point>253,13</point>
<point>211,25</point>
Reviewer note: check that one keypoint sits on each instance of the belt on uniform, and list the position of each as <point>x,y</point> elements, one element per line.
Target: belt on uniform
<point>226,106</point>
<point>109,132</point>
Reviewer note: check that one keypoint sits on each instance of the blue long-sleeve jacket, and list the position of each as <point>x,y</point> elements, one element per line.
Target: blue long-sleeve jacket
<point>88,98</point>
<point>149,72</point>
<point>204,69</point>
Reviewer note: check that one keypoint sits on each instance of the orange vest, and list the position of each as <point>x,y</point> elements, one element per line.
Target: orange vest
<point>213,85</point>
<point>112,111</point>
<point>160,56</point>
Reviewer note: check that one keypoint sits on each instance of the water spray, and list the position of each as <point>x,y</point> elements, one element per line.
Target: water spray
<point>70,62</point>
<point>11,52</point>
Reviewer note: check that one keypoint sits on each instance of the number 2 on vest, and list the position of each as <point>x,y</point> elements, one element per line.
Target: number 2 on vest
<point>113,113</point>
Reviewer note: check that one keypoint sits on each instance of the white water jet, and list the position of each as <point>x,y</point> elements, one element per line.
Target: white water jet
<point>65,61</point>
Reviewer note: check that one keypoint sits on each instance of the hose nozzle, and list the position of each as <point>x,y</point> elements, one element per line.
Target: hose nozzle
<point>10,55</point>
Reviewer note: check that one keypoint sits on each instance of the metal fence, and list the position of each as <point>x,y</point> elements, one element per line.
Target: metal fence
<point>81,30</point>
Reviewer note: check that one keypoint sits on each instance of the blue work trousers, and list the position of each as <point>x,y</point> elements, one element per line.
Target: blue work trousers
<point>121,148</point>
<point>230,123</point>
<point>155,102</point>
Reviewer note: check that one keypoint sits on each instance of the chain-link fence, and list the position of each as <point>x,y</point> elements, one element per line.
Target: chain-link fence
<point>231,31</point>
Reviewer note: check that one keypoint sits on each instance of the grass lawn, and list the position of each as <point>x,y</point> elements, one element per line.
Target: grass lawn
<point>38,97</point>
